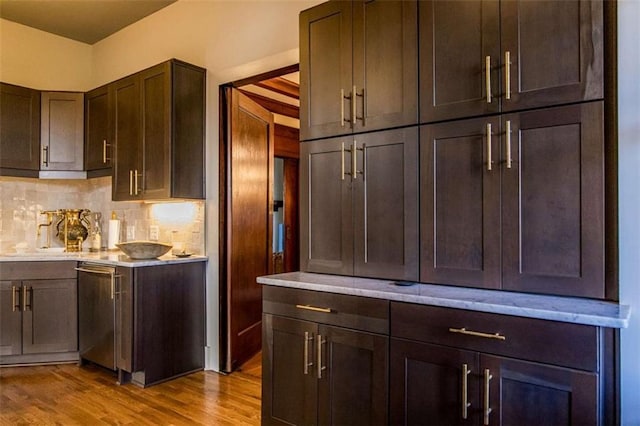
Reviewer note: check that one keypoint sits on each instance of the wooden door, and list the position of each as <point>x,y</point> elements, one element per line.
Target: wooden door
<point>289,383</point>
<point>460,203</point>
<point>326,70</point>
<point>529,394</point>
<point>556,52</point>
<point>249,233</point>
<point>10,318</point>
<point>155,94</point>
<point>20,130</point>
<point>456,38</point>
<point>428,385</point>
<point>50,317</point>
<point>352,377</point>
<point>99,148</point>
<point>326,227</point>
<point>385,64</point>
<point>62,131</point>
<point>128,158</point>
<point>553,202</point>
<point>385,199</point>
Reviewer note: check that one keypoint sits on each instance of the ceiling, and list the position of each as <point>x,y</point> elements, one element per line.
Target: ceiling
<point>87,21</point>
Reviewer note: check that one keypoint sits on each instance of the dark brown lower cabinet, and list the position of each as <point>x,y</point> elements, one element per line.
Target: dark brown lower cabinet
<point>160,322</point>
<point>461,375</point>
<point>38,312</point>
<point>316,373</point>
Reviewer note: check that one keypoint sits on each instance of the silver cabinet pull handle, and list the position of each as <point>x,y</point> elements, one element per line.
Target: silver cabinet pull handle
<point>26,291</point>
<point>342,161</point>
<point>353,106</point>
<point>487,77</point>
<point>463,330</point>
<point>364,100</point>
<point>342,107</point>
<point>15,295</point>
<point>487,408</point>
<point>314,308</point>
<point>465,391</point>
<point>489,160</point>
<point>508,142</point>
<point>130,182</point>
<point>307,338</point>
<point>507,75</point>
<point>354,161</point>
<point>135,185</point>
<point>320,342</point>
<point>104,151</point>
<point>45,155</point>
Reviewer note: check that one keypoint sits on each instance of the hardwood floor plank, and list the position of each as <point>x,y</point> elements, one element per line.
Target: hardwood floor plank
<point>72,395</point>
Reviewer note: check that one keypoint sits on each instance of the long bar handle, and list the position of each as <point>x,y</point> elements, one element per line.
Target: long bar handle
<point>342,107</point>
<point>321,368</point>
<point>489,160</point>
<point>487,77</point>
<point>507,75</point>
<point>353,106</point>
<point>465,391</point>
<point>135,182</point>
<point>104,151</point>
<point>130,182</point>
<point>15,295</point>
<point>508,142</point>
<point>342,161</point>
<point>45,154</point>
<point>25,291</point>
<point>487,407</point>
<point>463,330</point>
<point>314,308</point>
<point>308,337</point>
<point>93,271</point>
<point>354,160</point>
<point>364,106</point>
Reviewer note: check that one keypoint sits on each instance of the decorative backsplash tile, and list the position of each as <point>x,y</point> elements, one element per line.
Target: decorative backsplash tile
<point>22,200</point>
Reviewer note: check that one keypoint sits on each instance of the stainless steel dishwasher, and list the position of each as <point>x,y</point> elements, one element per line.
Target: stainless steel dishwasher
<point>97,314</point>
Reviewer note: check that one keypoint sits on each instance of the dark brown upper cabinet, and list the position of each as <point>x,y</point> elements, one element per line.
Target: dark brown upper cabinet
<point>478,58</point>
<point>358,67</point>
<point>99,147</point>
<point>516,202</point>
<point>19,131</point>
<point>360,214</point>
<point>158,129</point>
<point>62,131</point>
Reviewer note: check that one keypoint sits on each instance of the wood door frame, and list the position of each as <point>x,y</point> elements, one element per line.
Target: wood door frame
<point>223,201</point>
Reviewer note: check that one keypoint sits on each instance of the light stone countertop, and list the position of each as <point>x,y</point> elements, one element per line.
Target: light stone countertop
<point>556,308</point>
<point>114,258</point>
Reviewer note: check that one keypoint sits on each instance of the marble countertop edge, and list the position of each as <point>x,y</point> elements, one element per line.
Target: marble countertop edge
<point>113,258</point>
<point>556,308</point>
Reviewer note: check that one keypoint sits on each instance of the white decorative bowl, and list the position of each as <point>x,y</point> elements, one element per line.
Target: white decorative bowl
<point>144,249</point>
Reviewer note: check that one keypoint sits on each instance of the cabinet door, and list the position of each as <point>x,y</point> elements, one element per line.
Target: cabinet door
<point>523,393</point>
<point>50,317</point>
<point>385,188</point>
<point>127,168</point>
<point>20,130</point>
<point>351,368</point>
<point>553,202</point>
<point>385,69</point>
<point>124,320</point>
<point>326,70</point>
<point>433,385</point>
<point>10,318</point>
<point>289,384</point>
<point>155,88</point>
<point>546,70</point>
<point>456,38</point>
<point>326,227</point>
<point>62,131</point>
<point>460,203</point>
<point>99,149</point>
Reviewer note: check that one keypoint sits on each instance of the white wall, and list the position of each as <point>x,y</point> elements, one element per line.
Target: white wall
<point>232,40</point>
<point>629,204</point>
<point>40,60</point>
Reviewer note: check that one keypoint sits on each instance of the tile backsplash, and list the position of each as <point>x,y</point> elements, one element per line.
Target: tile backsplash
<point>22,200</point>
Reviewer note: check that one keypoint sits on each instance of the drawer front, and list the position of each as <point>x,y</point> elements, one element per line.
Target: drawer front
<point>558,343</point>
<point>359,313</point>
<point>43,270</point>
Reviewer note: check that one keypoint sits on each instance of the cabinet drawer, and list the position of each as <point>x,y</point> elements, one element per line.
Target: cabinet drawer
<point>564,344</point>
<point>38,270</point>
<point>360,313</point>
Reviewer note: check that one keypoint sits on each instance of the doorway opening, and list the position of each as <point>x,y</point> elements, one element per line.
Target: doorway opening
<point>258,166</point>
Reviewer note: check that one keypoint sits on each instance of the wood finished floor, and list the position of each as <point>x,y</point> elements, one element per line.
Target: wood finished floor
<point>71,395</point>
